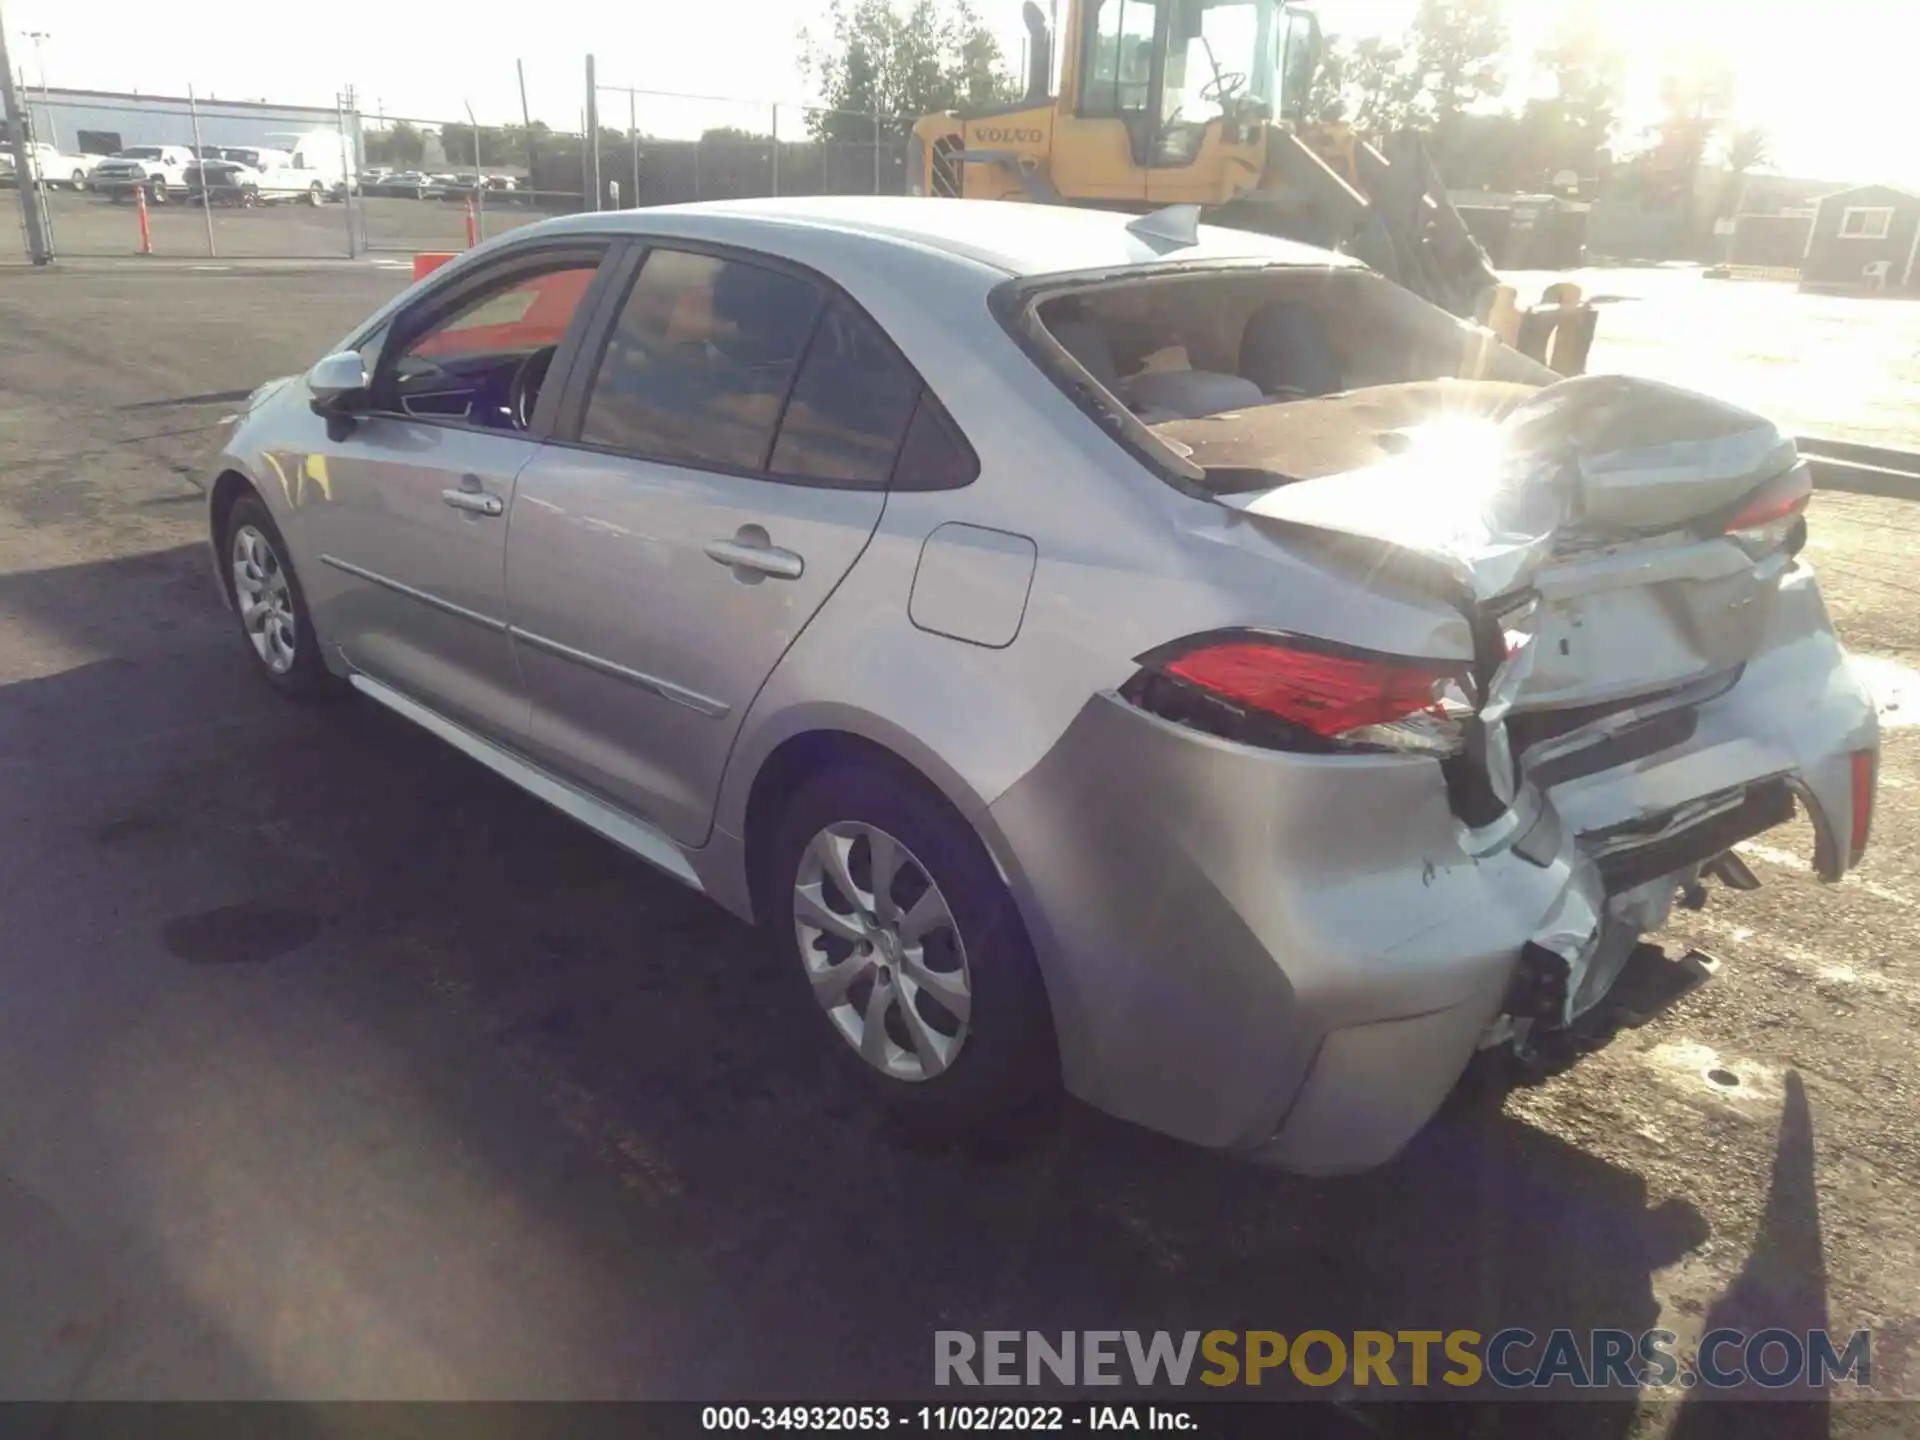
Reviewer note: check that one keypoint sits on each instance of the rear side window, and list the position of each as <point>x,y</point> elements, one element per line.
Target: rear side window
<point>850,406</point>
<point>935,455</point>
<point>701,361</point>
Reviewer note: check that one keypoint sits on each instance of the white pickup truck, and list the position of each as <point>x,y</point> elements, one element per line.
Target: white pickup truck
<point>160,170</point>
<point>52,165</point>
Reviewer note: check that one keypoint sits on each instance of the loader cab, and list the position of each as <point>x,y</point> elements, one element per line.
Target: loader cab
<point>1159,102</point>
<point>1176,72</point>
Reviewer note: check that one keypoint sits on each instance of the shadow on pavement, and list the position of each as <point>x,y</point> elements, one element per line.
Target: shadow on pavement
<point>550,1079</point>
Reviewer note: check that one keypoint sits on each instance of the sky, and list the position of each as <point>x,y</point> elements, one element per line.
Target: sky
<point>1825,80</point>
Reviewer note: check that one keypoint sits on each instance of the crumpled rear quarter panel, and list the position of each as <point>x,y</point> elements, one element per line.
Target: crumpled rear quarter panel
<point>1208,912</point>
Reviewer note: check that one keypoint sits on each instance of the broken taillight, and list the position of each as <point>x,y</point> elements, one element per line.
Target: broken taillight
<point>1863,777</point>
<point>1774,514</point>
<point>1317,696</point>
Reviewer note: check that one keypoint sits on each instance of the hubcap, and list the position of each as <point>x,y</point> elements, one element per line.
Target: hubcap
<point>881,949</point>
<point>265,599</point>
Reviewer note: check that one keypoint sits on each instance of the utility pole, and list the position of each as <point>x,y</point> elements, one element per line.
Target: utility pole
<point>38,38</point>
<point>593,134</point>
<point>526,121</point>
<point>39,249</point>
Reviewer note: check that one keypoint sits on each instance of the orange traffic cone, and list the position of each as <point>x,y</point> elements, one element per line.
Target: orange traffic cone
<point>473,225</point>
<point>146,231</point>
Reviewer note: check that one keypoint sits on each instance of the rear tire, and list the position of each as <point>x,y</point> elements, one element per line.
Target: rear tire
<point>280,636</point>
<point>940,964</point>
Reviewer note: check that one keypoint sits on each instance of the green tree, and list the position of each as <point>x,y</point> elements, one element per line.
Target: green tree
<point>400,144</point>
<point>1572,129</point>
<point>1380,87</point>
<point>879,59</point>
<point>1327,91</point>
<point>474,147</point>
<point>1747,149</point>
<point>1456,56</point>
<point>1696,95</point>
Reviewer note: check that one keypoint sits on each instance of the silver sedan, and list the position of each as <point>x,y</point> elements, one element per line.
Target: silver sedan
<point>1168,661</point>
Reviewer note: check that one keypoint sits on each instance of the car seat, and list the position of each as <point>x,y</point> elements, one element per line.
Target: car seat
<point>1286,350</point>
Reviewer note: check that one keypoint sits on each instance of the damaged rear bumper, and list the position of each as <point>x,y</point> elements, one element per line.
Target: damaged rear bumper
<point>1295,956</point>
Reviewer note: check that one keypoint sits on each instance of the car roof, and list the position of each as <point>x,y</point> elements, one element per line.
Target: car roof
<point>1017,239</point>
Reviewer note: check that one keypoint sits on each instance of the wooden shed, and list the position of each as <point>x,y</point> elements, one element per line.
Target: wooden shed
<point>1865,239</point>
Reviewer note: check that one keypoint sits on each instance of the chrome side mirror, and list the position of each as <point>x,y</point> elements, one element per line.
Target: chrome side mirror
<point>339,384</point>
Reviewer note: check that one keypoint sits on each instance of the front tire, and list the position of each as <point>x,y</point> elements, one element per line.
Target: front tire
<point>900,936</point>
<point>270,605</point>
<point>316,195</point>
<point>157,192</point>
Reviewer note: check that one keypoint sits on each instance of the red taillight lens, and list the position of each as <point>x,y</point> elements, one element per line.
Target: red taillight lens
<point>1863,768</point>
<point>1326,694</point>
<point>1346,698</point>
<point>1776,500</point>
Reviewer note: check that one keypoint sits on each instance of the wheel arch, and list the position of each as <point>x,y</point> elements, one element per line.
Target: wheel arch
<point>865,739</point>
<point>821,742</point>
<point>224,494</point>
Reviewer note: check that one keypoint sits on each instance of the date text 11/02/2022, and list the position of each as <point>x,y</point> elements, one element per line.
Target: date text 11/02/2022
<point>937,1418</point>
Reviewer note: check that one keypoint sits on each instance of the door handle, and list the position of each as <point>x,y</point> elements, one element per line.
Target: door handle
<point>474,502</point>
<point>755,555</point>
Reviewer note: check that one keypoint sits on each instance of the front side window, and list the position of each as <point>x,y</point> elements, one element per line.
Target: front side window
<point>701,361</point>
<point>483,362</point>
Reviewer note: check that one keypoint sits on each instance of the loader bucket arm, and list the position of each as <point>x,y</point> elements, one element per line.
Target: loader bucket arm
<point>1441,260</point>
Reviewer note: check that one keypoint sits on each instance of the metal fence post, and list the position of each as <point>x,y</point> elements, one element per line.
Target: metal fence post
<point>479,173</point>
<point>32,212</point>
<point>349,117</point>
<point>633,138</point>
<point>593,133</point>
<point>876,152</point>
<point>776,148</point>
<point>199,151</point>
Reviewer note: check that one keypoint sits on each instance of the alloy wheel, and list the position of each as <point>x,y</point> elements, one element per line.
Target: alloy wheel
<point>265,599</point>
<point>882,951</point>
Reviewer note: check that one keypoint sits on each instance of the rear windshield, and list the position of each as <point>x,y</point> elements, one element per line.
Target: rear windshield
<point>141,152</point>
<point>1154,353</point>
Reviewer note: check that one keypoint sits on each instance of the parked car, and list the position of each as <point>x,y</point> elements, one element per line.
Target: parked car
<point>410,184</point>
<point>159,170</point>
<point>1168,659</point>
<point>225,182</point>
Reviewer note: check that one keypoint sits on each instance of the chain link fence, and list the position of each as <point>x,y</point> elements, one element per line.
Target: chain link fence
<point>444,184</point>
<point>195,177</point>
<point>185,177</point>
<point>677,148</point>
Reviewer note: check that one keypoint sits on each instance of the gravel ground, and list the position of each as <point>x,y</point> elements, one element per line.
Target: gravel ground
<point>333,1066</point>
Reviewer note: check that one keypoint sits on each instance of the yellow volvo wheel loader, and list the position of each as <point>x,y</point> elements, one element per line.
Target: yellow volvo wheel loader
<point>1200,102</point>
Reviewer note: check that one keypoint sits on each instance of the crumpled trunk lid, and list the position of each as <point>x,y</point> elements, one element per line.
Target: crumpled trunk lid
<point>1581,528</point>
<point>1586,517</point>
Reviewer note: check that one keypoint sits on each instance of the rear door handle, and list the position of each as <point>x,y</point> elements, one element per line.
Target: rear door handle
<point>757,557</point>
<point>471,498</point>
